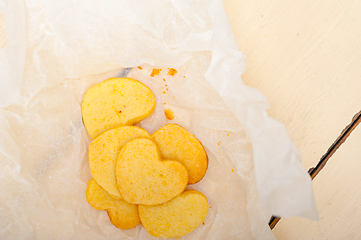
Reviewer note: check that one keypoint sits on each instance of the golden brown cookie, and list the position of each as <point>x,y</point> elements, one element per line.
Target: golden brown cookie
<point>123,215</point>
<point>178,217</point>
<point>175,142</point>
<point>144,178</point>
<point>103,153</point>
<point>116,102</point>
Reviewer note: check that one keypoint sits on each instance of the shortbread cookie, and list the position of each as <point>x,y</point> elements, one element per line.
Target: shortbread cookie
<point>144,178</point>
<point>177,217</point>
<point>116,102</point>
<point>103,153</point>
<point>175,142</point>
<point>122,214</point>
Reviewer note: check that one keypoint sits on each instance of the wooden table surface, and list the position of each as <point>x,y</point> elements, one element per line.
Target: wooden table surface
<point>305,56</point>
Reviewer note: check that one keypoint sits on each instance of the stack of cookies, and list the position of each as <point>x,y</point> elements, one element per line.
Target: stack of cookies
<point>138,177</point>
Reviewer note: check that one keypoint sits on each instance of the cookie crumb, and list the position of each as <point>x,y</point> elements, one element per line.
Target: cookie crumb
<point>172,71</point>
<point>155,72</point>
<point>169,114</point>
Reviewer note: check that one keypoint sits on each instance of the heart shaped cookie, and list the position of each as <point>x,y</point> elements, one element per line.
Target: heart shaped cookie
<point>144,178</point>
<point>116,102</point>
<point>177,217</point>
<point>103,153</point>
<point>123,215</point>
<point>175,142</point>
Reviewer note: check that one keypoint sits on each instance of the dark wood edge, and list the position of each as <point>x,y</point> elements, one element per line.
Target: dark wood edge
<point>331,150</point>
<point>339,141</point>
<point>273,221</point>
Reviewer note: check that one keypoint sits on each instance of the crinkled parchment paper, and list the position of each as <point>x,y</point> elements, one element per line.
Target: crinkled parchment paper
<point>254,168</point>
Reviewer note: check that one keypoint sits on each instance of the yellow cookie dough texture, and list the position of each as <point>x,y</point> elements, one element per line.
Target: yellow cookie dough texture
<point>175,142</point>
<point>130,167</point>
<point>122,214</point>
<point>116,102</point>
<point>103,153</point>
<point>144,178</point>
<point>177,217</point>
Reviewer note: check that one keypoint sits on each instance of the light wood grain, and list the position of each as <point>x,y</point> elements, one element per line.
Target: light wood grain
<point>3,39</point>
<point>305,56</point>
<point>338,197</point>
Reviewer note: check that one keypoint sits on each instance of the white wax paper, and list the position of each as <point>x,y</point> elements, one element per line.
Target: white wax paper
<point>254,168</point>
